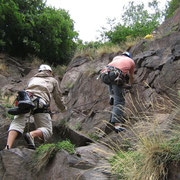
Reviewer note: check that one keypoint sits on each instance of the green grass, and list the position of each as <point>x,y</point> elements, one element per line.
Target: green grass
<point>46,152</point>
<point>67,146</point>
<point>145,163</point>
<point>125,163</point>
<point>6,114</point>
<point>93,136</point>
<point>60,70</point>
<point>77,126</point>
<point>96,52</point>
<point>154,149</point>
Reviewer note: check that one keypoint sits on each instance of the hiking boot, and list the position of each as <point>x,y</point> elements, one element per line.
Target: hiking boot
<point>17,110</point>
<point>24,101</point>
<point>30,141</point>
<point>118,129</point>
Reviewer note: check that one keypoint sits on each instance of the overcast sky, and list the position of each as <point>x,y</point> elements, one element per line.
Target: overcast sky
<point>90,15</point>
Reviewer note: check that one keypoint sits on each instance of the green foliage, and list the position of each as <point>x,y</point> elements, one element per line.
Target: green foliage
<point>60,70</point>
<point>93,136</point>
<point>69,84</point>
<point>86,45</point>
<point>77,127</point>
<point>136,22</point>
<point>179,93</point>
<point>6,104</point>
<point>6,114</point>
<point>123,163</point>
<point>29,27</point>
<point>174,146</point>
<point>66,145</point>
<point>46,152</point>
<point>63,122</point>
<point>45,148</point>
<point>171,8</point>
<point>43,155</point>
<point>147,161</point>
<point>94,50</point>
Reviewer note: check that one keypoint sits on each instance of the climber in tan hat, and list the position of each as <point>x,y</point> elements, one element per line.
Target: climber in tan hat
<point>35,100</point>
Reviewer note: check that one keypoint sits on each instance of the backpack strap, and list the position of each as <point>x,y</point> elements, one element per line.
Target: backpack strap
<point>39,108</point>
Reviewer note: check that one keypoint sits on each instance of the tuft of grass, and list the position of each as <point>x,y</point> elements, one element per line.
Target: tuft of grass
<point>46,152</point>
<point>67,146</point>
<point>90,72</point>
<point>88,52</point>
<point>93,136</point>
<point>150,159</point>
<point>96,52</point>
<point>3,68</point>
<point>7,102</point>
<point>69,84</point>
<point>78,126</point>
<point>63,122</point>
<point>6,114</point>
<point>154,148</point>
<point>107,49</point>
<point>179,93</point>
<point>43,155</point>
<point>35,61</point>
<point>60,70</point>
<point>125,164</point>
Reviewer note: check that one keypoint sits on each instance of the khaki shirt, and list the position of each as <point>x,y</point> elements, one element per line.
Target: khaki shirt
<point>43,84</point>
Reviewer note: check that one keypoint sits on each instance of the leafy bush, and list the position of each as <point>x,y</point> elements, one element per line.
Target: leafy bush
<point>66,145</point>
<point>171,8</point>
<point>46,152</point>
<point>136,22</point>
<point>29,27</point>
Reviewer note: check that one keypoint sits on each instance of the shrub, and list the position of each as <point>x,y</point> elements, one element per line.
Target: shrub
<point>30,27</point>
<point>154,148</point>
<point>46,152</point>
<point>171,8</point>
<point>136,22</point>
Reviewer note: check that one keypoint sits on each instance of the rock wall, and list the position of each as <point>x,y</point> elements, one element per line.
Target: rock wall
<point>157,75</point>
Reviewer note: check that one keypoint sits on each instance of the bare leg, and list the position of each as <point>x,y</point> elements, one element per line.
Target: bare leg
<point>11,138</point>
<point>37,133</point>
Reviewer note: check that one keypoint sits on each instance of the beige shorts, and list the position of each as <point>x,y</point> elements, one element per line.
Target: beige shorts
<point>42,122</point>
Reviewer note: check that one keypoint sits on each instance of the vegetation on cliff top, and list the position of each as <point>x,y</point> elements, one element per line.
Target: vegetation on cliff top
<point>32,28</point>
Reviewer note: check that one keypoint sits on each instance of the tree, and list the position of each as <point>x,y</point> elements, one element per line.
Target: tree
<point>171,8</point>
<point>136,22</point>
<point>29,27</point>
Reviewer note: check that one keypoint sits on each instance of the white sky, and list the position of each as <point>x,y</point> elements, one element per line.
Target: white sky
<point>90,15</point>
